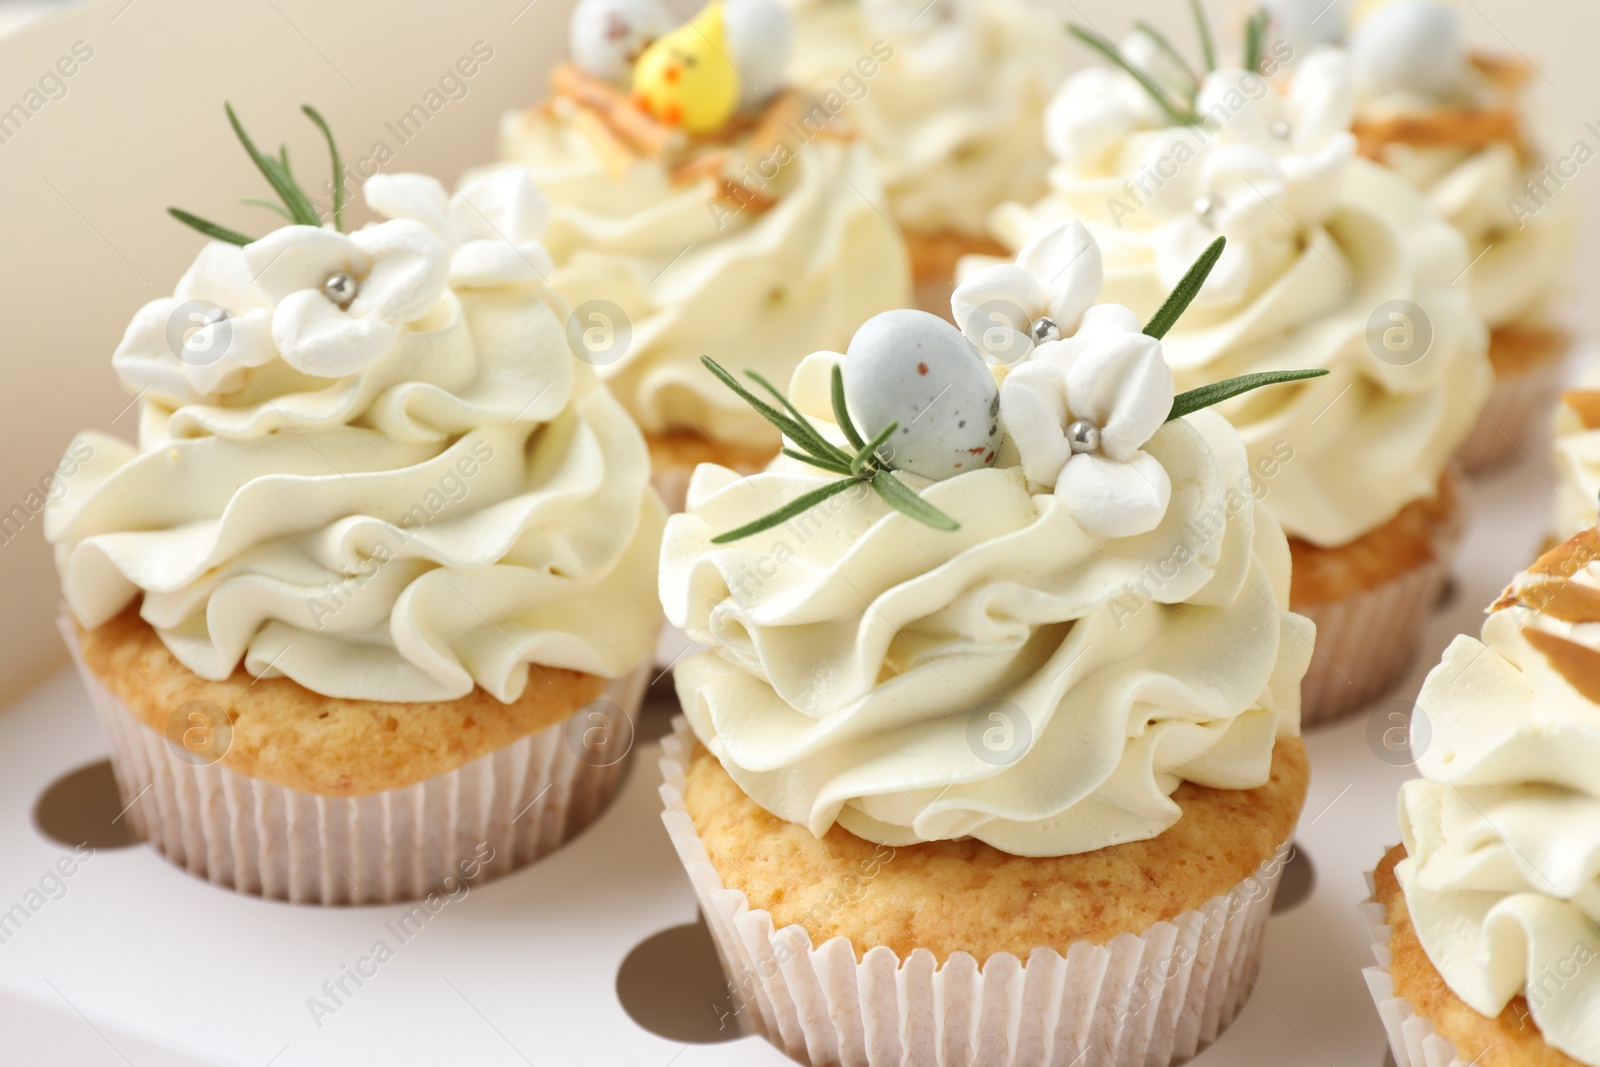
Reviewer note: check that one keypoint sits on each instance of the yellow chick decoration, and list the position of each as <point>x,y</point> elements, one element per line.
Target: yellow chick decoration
<point>685,78</point>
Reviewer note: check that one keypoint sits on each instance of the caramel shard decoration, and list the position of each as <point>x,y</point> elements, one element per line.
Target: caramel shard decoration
<point>1584,403</point>
<point>1460,128</point>
<point>1578,664</point>
<point>1505,73</point>
<point>642,133</point>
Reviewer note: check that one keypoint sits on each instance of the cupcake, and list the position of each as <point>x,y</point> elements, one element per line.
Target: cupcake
<point>1036,633</point>
<point>1333,262</point>
<point>366,608</point>
<point>1577,454</point>
<point>949,95</point>
<point>699,206</point>
<point>1485,917</point>
<point>1452,123</point>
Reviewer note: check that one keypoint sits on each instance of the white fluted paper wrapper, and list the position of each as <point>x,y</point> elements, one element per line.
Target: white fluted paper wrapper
<point>1366,643</point>
<point>1139,1001</point>
<point>1412,1038</point>
<point>523,801</point>
<point>1517,405</point>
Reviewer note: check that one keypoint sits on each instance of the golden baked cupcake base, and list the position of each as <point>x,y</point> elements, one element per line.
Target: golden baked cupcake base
<point>1154,974</point>
<point>673,458</point>
<point>1428,1025</point>
<point>1370,600</point>
<point>392,813</point>
<point>933,255</point>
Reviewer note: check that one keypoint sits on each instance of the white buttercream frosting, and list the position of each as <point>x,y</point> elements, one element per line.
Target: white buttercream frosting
<point>1019,680</point>
<point>1502,877</point>
<point>949,95</point>
<point>756,287</point>
<point>397,499</point>
<point>1522,241</point>
<point>1318,242</point>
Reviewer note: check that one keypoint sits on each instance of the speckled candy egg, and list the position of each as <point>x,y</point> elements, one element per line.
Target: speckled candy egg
<point>1413,46</point>
<point>916,369</point>
<point>606,36</point>
<point>759,41</point>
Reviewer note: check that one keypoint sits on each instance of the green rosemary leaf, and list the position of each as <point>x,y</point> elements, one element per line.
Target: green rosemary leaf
<point>210,229</point>
<point>826,464</point>
<point>300,209</point>
<point>868,452</point>
<point>1172,53</point>
<point>1215,393</point>
<point>258,201</point>
<point>1113,53</point>
<point>798,505</point>
<point>1203,26</point>
<point>786,426</point>
<point>1187,289</point>
<point>841,413</point>
<point>815,442</point>
<point>898,495</point>
<point>338,168</point>
<point>1253,28</point>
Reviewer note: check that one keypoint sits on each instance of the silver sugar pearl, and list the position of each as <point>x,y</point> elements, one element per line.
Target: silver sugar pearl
<point>215,315</point>
<point>1044,329</point>
<point>1281,130</point>
<point>341,288</point>
<point>1205,207</point>
<point>1083,436</point>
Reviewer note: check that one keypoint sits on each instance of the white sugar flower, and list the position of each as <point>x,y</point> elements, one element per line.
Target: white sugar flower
<point>339,301</point>
<point>1092,112</point>
<point>200,341</point>
<point>1080,412</point>
<point>1007,308</point>
<point>493,227</point>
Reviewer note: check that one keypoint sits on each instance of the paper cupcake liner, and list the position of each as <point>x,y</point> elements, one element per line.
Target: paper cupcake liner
<point>484,819</point>
<point>1412,1037</point>
<point>1144,1000</point>
<point>672,484</point>
<point>1517,405</point>
<point>1366,642</point>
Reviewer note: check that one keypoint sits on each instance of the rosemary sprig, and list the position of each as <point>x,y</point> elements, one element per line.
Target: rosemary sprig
<point>1206,395</point>
<point>798,506</point>
<point>1171,53</point>
<point>1187,289</point>
<point>338,168</point>
<point>1181,116</point>
<point>210,229</point>
<point>1208,50</point>
<point>297,206</point>
<point>841,413</point>
<point>865,466</point>
<point>1254,28</point>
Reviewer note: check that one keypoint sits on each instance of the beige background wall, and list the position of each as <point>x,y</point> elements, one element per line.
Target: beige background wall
<point>139,126</point>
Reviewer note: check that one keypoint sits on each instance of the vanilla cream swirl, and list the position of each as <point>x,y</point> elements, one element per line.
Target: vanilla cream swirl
<point>1525,252</point>
<point>1318,243</point>
<point>463,501</point>
<point>1017,680</point>
<point>949,95</point>
<point>756,286</point>
<point>1502,876</point>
